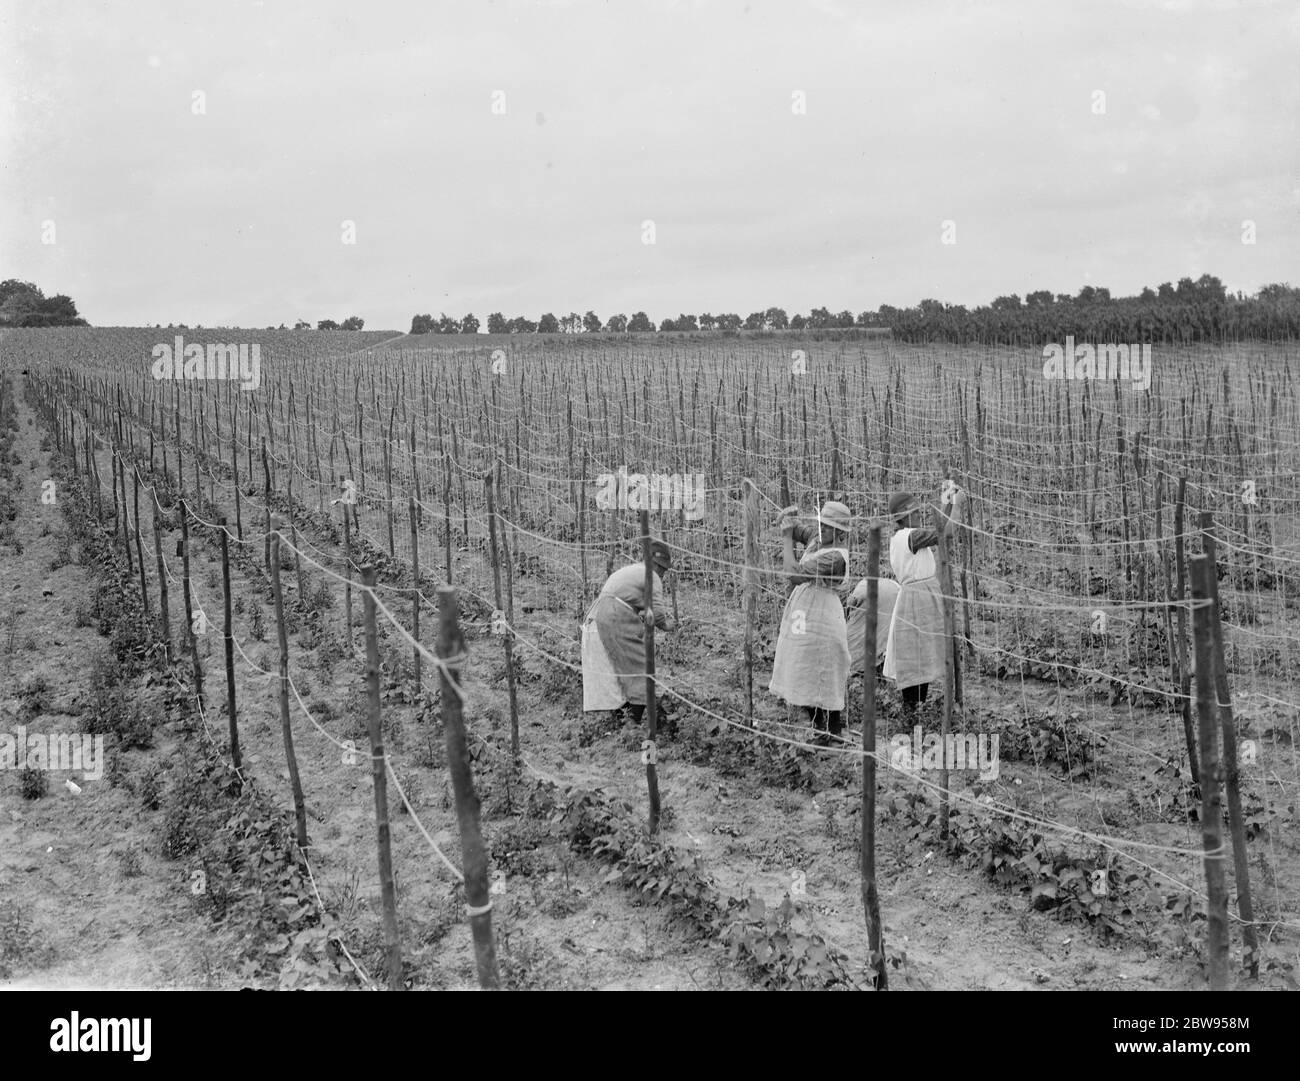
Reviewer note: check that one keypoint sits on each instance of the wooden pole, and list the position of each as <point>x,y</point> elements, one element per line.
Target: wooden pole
<point>949,666</point>
<point>347,575</point>
<point>870,894</point>
<point>379,778</point>
<point>230,647</point>
<point>446,513</point>
<point>299,808</point>
<point>417,661</point>
<point>751,592</point>
<point>1185,689</point>
<point>582,536</point>
<point>451,649</point>
<point>388,483</point>
<point>162,586</point>
<point>266,541</point>
<point>139,548</point>
<point>507,637</point>
<point>649,749</point>
<point>184,553</point>
<point>1211,800</point>
<point>120,473</point>
<point>1236,822</point>
<point>234,465</point>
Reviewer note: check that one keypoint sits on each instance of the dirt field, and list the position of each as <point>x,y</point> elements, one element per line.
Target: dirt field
<point>1089,774</point>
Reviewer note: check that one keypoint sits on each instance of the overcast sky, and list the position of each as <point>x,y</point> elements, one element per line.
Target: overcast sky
<point>916,112</point>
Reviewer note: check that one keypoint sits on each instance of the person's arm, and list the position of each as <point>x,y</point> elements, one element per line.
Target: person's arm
<point>922,538</point>
<point>945,522</point>
<point>789,527</point>
<point>827,565</point>
<point>659,602</point>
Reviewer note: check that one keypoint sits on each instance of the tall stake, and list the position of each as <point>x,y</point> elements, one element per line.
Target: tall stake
<point>266,494</point>
<point>416,659</point>
<point>1211,801</point>
<point>870,895</point>
<point>347,575</point>
<point>379,778</point>
<point>649,751</point>
<point>230,647</point>
<point>139,548</point>
<point>507,633</point>
<point>189,602</point>
<point>451,648</point>
<point>751,592</point>
<point>949,665</point>
<point>299,807</point>
<point>1185,689</point>
<point>162,586</point>
<point>1236,822</point>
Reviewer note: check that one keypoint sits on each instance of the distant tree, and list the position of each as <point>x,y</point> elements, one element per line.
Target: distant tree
<point>497,324</point>
<point>469,325</point>
<point>569,323</point>
<point>707,322</point>
<point>548,324</point>
<point>18,301</point>
<point>754,321</point>
<point>729,321</point>
<point>448,325</point>
<point>1165,292</point>
<point>775,319</point>
<point>1041,298</point>
<point>1148,294</point>
<point>327,324</point>
<point>668,324</point>
<point>844,319</point>
<point>1210,288</point>
<point>640,323</point>
<point>617,323</point>
<point>521,325</point>
<point>423,324</point>
<point>352,322</point>
<point>302,324</point>
<point>1006,304</point>
<point>55,311</point>
<point>591,322</point>
<point>797,322</point>
<point>1064,298</point>
<point>687,322</point>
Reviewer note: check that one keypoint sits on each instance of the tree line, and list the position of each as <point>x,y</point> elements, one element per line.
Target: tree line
<point>1190,311</point>
<point>23,304</point>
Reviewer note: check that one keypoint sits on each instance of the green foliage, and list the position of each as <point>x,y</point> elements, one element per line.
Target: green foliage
<point>33,783</point>
<point>778,945</point>
<point>21,946</point>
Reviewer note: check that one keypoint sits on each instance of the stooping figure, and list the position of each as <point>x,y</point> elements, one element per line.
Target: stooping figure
<point>613,636</point>
<point>812,652</point>
<point>914,649</point>
<point>886,596</point>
